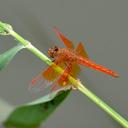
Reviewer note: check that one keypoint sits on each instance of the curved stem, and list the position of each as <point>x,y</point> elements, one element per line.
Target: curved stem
<point>75,82</point>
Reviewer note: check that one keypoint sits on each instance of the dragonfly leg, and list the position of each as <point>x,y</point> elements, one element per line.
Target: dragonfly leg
<point>63,79</point>
<point>55,86</point>
<point>34,81</point>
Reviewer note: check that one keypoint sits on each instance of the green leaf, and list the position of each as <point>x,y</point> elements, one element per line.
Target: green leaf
<point>6,57</point>
<point>33,114</point>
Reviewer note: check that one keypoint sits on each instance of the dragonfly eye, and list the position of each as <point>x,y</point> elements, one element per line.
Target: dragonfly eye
<point>56,48</point>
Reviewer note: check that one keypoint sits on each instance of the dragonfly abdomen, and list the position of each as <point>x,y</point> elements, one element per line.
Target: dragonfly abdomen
<point>93,65</point>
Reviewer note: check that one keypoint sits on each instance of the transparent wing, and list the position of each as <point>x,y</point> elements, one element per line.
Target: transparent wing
<point>46,78</point>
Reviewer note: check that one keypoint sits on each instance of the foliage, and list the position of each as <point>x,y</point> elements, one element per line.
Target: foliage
<point>33,114</point>
<point>6,57</point>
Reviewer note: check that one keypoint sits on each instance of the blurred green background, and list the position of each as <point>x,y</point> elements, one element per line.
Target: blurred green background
<point>100,24</point>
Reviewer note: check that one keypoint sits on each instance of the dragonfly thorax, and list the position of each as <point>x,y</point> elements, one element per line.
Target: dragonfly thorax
<point>69,54</point>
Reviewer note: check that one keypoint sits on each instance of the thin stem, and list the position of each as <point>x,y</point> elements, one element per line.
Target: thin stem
<point>103,105</point>
<point>75,82</point>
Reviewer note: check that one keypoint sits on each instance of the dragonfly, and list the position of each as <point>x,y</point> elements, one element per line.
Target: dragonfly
<point>69,59</point>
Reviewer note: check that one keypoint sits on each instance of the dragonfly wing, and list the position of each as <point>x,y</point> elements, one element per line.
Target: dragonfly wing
<point>47,78</point>
<point>39,85</point>
<point>81,50</point>
<point>72,69</point>
<point>63,79</point>
<point>50,74</point>
<point>66,41</point>
<point>75,70</point>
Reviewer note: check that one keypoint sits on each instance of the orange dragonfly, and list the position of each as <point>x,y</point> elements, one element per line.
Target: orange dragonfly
<point>69,59</point>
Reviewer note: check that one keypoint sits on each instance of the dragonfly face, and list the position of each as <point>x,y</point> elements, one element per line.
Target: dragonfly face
<point>53,52</point>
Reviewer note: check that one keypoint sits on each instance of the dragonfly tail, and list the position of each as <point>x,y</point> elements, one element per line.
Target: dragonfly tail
<point>93,65</point>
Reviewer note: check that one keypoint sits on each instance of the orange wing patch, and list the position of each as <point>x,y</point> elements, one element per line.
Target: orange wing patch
<point>50,74</point>
<point>72,69</point>
<point>75,70</point>
<point>81,50</point>
<point>66,41</point>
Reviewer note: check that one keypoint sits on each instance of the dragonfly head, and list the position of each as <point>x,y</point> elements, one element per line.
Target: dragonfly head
<point>52,52</point>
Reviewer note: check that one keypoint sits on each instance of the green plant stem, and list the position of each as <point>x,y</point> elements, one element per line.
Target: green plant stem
<point>104,106</point>
<point>75,82</point>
